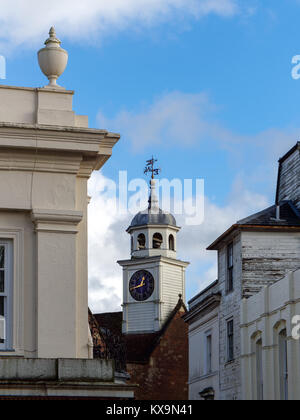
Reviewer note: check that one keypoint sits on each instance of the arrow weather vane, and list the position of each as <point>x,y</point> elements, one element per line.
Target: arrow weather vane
<point>150,167</point>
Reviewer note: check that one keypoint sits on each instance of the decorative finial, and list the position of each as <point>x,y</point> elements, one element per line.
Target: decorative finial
<point>53,59</point>
<point>153,200</point>
<point>52,32</point>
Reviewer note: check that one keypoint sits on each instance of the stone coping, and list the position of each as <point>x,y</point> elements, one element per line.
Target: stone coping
<point>61,370</point>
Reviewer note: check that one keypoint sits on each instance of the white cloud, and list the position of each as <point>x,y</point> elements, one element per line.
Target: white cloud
<point>109,242</point>
<point>176,117</point>
<point>181,120</point>
<point>24,22</point>
<point>184,119</point>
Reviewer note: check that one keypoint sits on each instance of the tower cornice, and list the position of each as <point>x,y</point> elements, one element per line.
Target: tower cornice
<point>146,260</point>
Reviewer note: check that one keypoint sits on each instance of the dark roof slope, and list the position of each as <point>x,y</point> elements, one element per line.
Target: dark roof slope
<point>289,218</point>
<point>148,218</point>
<point>110,320</point>
<point>139,347</point>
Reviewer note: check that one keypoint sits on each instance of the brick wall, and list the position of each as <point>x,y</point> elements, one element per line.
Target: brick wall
<point>165,375</point>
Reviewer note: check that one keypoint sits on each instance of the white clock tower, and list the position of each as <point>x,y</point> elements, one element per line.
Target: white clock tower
<point>153,278</point>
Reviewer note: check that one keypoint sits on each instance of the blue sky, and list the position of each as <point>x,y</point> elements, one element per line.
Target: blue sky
<point>207,90</point>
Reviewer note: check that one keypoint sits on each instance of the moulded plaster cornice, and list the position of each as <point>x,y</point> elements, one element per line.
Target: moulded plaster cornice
<point>56,138</point>
<point>210,303</point>
<point>25,160</point>
<point>63,221</point>
<point>70,216</point>
<point>96,145</point>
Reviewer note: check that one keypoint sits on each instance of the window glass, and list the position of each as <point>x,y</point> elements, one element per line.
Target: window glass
<point>283,361</point>
<point>230,342</point>
<point>2,321</point>
<point>5,295</point>
<point>2,281</point>
<point>2,252</point>
<point>259,370</point>
<point>230,268</point>
<point>209,353</point>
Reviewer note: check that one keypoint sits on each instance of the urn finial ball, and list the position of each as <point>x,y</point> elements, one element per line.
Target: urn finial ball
<point>53,59</point>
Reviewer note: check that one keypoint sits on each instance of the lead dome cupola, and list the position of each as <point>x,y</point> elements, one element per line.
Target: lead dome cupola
<point>153,215</point>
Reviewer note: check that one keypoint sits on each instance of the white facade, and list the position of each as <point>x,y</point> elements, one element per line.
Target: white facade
<point>47,154</point>
<point>270,352</point>
<point>203,320</point>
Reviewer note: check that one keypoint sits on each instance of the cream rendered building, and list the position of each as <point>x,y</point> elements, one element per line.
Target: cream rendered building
<point>270,348</point>
<point>47,154</point>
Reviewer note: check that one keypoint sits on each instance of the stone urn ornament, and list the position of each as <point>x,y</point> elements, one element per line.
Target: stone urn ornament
<point>53,59</point>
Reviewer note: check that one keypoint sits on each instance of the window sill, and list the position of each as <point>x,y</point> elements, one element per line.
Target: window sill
<point>229,362</point>
<point>203,377</point>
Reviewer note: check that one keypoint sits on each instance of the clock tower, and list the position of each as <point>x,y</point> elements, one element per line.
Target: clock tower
<point>153,278</point>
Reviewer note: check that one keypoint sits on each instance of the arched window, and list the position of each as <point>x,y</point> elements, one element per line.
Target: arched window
<point>141,241</point>
<point>157,241</point>
<point>171,243</point>
<point>259,370</point>
<point>283,365</point>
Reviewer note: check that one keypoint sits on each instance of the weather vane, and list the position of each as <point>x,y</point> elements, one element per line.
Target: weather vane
<point>150,167</point>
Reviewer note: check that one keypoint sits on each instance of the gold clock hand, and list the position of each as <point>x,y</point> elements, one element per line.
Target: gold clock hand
<point>140,285</point>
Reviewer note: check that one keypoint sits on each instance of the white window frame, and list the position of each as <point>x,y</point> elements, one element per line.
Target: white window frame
<point>16,238</point>
<point>8,293</point>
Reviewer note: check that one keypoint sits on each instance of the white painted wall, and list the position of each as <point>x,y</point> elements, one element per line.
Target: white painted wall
<point>265,315</point>
<point>199,378</point>
<point>47,155</point>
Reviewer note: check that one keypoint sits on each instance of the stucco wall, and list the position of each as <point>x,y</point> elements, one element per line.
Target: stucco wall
<point>265,315</point>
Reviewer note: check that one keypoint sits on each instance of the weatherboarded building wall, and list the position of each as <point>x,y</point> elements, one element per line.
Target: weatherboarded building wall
<point>289,177</point>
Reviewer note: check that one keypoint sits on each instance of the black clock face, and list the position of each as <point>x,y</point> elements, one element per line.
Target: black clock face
<point>141,285</point>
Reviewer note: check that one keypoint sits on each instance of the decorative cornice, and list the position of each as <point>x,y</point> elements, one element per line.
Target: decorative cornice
<point>37,135</point>
<point>147,260</point>
<point>63,221</point>
<point>63,147</point>
<point>212,302</point>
